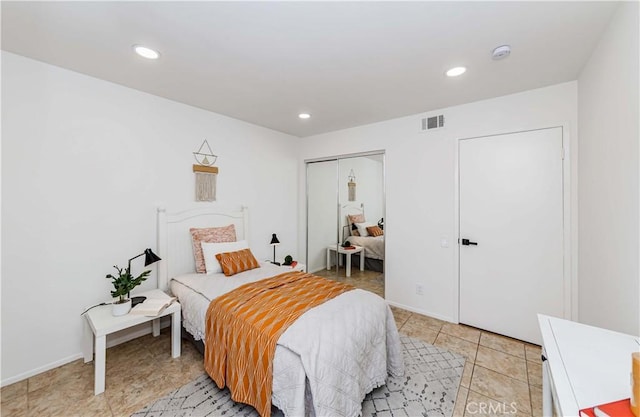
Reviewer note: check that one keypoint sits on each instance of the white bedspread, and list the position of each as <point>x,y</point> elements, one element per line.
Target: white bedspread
<point>373,246</point>
<point>334,353</point>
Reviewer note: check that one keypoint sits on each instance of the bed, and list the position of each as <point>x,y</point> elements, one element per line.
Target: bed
<point>326,361</point>
<point>354,229</point>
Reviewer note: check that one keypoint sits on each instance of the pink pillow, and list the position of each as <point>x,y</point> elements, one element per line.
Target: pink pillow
<point>355,218</point>
<point>210,235</point>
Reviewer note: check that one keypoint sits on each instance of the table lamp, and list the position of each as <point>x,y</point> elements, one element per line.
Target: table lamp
<point>149,259</point>
<point>274,242</point>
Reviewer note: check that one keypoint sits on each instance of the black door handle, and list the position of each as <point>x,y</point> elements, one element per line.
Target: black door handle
<point>467,242</point>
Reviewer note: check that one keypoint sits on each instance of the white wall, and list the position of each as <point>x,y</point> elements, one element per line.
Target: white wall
<point>608,111</point>
<point>84,164</point>
<point>421,179</point>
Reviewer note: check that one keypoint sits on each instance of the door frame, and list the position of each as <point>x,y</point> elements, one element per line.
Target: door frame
<point>569,224</point>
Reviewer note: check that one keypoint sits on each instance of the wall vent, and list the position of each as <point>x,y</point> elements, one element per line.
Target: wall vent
<point>432,122</point>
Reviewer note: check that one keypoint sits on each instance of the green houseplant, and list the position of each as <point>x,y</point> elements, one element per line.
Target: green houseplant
<point>123,283</point>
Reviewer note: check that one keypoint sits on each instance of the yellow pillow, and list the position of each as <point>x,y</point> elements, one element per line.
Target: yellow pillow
<point>234,262</point>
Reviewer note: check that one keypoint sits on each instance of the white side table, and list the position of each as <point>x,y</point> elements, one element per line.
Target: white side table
<point>299,267</point>
<point>100,322</point>
<point>347,253</point>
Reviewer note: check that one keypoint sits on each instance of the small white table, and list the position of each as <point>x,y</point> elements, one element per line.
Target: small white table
<point>585,366</point>
<point>299,267</point>
<point>347,253</point>
<point>100,322</point>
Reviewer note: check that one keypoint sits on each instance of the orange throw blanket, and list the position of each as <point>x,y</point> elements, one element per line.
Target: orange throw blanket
<point>244,325</point>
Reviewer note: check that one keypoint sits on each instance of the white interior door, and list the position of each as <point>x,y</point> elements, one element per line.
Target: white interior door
<point>511,206</point>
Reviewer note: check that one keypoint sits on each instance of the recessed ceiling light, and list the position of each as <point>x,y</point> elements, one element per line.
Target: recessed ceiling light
<point>454,72</point>
<point>145,52</point>
<point>304,115</point>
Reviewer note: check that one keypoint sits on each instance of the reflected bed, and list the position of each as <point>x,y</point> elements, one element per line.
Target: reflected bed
<point>355,230</point>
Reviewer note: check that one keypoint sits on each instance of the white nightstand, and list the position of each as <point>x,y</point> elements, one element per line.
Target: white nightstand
<point>299,267</point>
<point>347,253</point>
<point>100,322</point>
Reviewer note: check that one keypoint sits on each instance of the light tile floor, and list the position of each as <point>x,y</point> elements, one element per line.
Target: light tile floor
<point>502,376</point>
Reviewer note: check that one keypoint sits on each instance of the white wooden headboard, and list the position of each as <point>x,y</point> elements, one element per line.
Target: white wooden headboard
<point>174,238</point>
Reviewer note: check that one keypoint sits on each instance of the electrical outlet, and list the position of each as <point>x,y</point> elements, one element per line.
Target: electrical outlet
<point>419,289</point>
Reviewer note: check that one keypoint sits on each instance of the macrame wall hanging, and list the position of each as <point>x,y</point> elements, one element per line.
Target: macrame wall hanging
<point>352,186</point>
<point>206,173</point>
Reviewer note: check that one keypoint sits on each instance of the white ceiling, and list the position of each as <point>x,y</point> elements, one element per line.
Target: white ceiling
<point>346,63</point>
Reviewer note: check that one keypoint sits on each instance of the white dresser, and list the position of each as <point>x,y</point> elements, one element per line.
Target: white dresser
<point>585,366</point>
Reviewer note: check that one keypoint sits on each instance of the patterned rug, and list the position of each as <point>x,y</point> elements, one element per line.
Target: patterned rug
<point>428,388</point>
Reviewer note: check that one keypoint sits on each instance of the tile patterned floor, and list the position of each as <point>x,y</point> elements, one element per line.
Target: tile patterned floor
<point>502,376</point>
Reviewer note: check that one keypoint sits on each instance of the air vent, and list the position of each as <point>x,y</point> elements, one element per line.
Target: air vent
<point>432,122</point>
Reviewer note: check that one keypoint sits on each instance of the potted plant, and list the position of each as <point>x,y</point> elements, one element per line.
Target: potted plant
<point>123,283</point>
<point>287,260</point>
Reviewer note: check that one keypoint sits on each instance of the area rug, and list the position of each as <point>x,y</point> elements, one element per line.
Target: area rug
<point>428,388</point>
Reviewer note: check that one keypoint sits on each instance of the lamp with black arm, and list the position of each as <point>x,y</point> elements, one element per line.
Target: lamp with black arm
<point>150,258</point>
<point>274,242</point>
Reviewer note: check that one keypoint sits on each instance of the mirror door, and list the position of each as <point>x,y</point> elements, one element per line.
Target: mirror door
<point>345,219</point>
<point>322,220</point>
<point>361,217</point>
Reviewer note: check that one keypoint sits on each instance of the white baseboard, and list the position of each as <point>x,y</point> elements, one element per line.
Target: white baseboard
<point>423,312</point>
<point>120,337</point>
<point>39,370</point>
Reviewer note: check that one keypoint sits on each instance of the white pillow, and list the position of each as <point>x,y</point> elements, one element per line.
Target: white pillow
<point>362,228</point>
<point>210,250</point>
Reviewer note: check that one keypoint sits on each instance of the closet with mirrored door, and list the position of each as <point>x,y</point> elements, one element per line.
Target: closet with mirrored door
<point>345,219</point>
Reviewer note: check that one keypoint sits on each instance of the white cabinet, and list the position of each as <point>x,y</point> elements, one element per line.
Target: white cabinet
<point>585,366</point>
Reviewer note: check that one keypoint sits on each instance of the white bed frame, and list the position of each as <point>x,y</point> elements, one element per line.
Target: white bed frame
<point>174,238</point>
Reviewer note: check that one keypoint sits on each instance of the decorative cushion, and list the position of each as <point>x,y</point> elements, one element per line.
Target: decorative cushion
<point>362,228</point>
<point>210,250</point>
<point>353,219</point>
<point>375,231</point>
<point>239,261</point>
<point>209,234</point>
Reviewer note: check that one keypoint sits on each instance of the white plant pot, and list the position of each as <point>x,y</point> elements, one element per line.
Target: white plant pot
<point>120,309</point>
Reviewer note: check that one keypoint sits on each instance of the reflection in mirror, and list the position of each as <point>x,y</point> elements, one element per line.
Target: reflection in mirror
<point>345,219</point>
<point>361,194</point>
<point>322,221</point>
